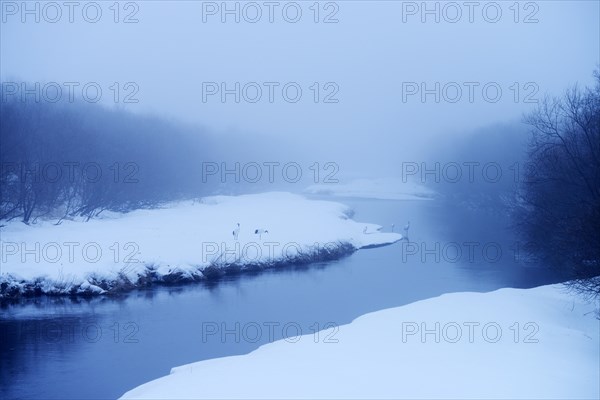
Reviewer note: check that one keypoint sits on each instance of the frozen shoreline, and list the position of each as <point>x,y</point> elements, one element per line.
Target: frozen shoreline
<point>510,343</point>
<point>184,242</point>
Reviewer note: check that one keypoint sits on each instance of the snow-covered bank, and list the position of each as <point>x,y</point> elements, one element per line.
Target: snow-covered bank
<point>383,189</point>
<point>510,343</point>
<point>183,242</point>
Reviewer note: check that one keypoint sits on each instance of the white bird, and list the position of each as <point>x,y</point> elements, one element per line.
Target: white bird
<point>365,230</point>
<point>406,227</point>
<point>393,225</point>
<point>260,232</point>
<point>236,232</point>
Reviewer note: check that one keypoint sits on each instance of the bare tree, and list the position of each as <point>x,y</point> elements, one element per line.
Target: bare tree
<point>68,159</point>
<point>560,206</point>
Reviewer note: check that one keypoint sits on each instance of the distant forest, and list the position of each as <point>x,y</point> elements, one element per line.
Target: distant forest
<point>70,159</point>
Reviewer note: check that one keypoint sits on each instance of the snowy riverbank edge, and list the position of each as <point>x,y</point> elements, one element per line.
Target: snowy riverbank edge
<point>510,343</point>
<point>184,242</point>
<point>382,189</point>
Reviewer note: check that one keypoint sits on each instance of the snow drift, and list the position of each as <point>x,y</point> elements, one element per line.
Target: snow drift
<point>511,343</point>
<point>186,241</point>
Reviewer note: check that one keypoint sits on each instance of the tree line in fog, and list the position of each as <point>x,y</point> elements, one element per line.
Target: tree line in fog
<point>543,175</point>
<point>558,207</point>
<point>69,159</point>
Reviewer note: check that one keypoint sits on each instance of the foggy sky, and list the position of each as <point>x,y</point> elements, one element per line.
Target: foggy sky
<point>368,54</point>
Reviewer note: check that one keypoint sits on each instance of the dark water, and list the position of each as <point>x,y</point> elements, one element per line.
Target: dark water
<point>100,348</point>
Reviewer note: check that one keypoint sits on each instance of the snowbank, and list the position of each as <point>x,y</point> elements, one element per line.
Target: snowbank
<point>511,343</point>
<point>185,241</point>
<point>383,189</point>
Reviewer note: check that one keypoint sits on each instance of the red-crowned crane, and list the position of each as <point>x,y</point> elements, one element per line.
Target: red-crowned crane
<point>260,232</point>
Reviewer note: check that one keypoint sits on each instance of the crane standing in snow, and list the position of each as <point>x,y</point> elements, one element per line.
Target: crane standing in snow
<point>260,232</point>
<point>406,227</point>
<point>236,232</point>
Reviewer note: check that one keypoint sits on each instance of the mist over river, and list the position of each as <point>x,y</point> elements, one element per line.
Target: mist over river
<point>103,346</point>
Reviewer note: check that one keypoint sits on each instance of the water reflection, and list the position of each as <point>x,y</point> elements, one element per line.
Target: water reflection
<point>50,346</point>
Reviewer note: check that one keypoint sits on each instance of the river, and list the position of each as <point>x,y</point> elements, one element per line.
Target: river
<point>59,348</point>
